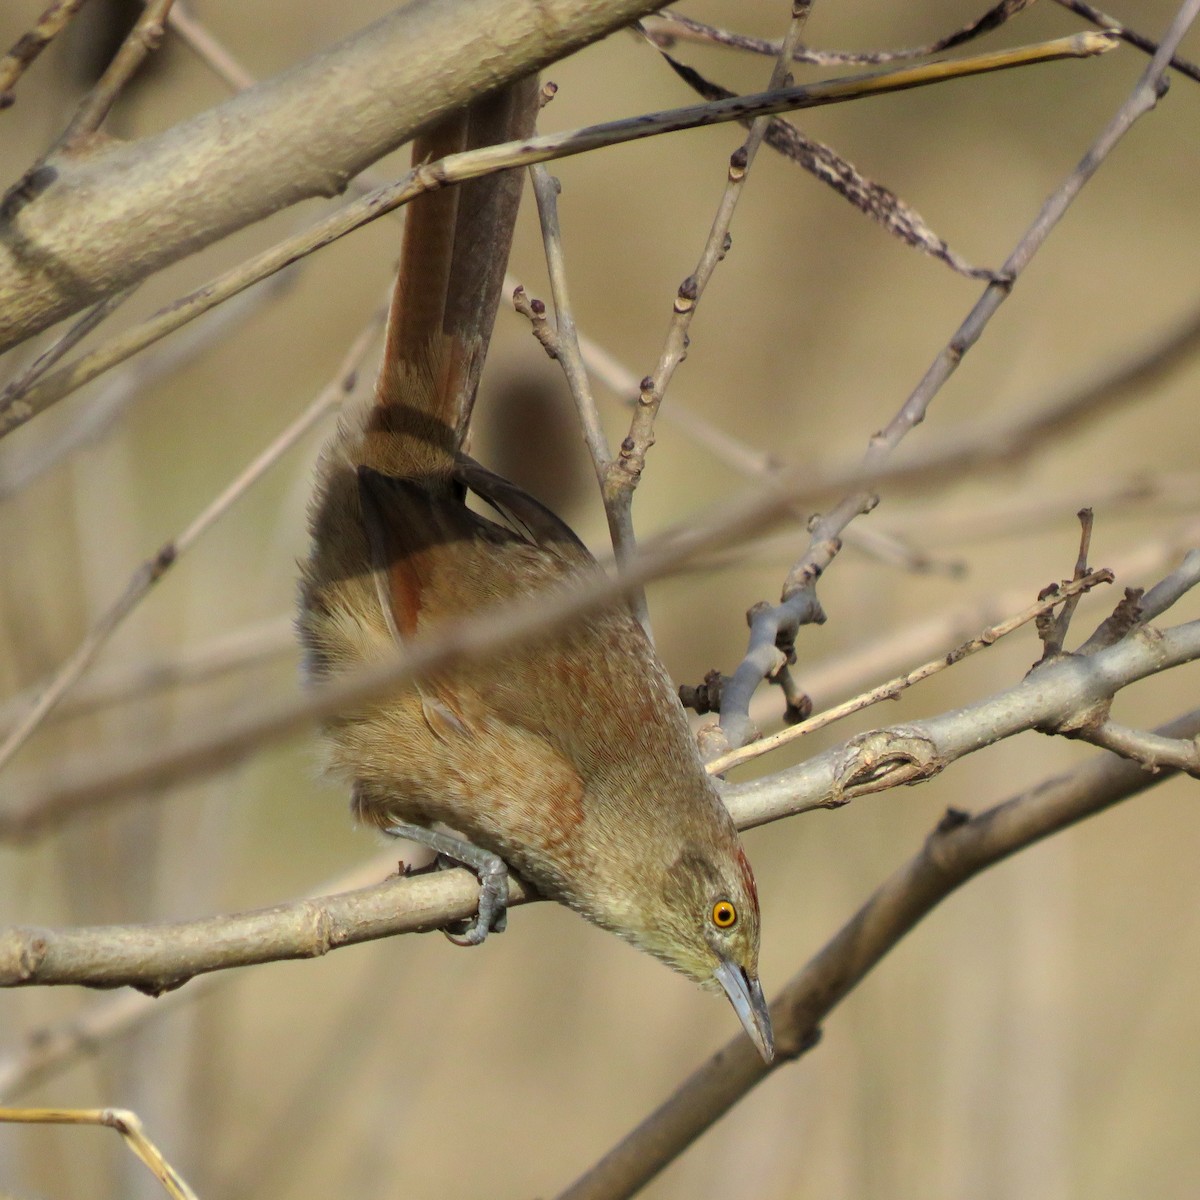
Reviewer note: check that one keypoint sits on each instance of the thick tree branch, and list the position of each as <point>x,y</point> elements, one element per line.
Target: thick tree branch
<point>80,227</point>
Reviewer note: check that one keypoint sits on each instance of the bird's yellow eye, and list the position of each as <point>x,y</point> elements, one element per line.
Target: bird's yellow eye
<point>724,915</point>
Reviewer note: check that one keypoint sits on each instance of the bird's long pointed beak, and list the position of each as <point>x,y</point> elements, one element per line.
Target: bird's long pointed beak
<point>746,996</point>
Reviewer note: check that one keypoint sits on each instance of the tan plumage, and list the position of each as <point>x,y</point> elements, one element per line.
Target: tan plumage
<point>571,758</point>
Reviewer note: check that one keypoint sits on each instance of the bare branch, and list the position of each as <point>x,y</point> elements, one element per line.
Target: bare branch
<point>143,38</point>
<point>625,472</point>
<point>125,184</point>
<point>1111,25</point>
<point>1165,594</point>
<point>668,26</point>
<point>1054,595</point>
<point>99,413</point>
<point>568,355</point>
<point>208,749</point>
<point>776,627</point>
<point>47,27</point>
<point>299,135</point>
<point>54,1047</point>
<point>1151,750</point>
<point>960,848</point>
<point>207,48</point>
<point>917,750</point>
<point>16,388</point>
<point>825,164</point>
<point>1053,629</point>
<point>160,957</point>
<point>128,682</point>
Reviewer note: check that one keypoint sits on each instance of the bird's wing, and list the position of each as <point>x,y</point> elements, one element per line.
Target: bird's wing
<point>527,517</point>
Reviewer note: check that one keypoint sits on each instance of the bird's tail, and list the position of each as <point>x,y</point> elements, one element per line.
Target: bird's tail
<point>456,243</point>
<point>456,246</point>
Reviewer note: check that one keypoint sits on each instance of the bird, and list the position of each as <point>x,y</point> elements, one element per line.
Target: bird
<point>568,760</point>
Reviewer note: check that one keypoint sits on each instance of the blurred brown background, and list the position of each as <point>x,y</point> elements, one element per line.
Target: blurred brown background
<point>1037,1037</point>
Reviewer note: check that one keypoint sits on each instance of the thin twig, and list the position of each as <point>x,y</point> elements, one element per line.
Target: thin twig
<point>1008,439</point>
<point>125,1123</point>
<point>128,683</point>
<point>879,545</point>
<point>1147,606</point>
<point>19,58</point>
<point>625,472</point>
<point>624,384</point>
<point>473,164</point>
<point>145,37</point>
<point>844,674</point>
<point>1053,629</point>
<point>890,690</point>
<point>669,26</point>
<point>200,40</point>
<point>567,352</point>
<point>840,676</point>
<point>774,628</point>
<point>1150,750</point>
<point>1007,516</point>
<point>153,569</point>
<point>53,1048</point>
<point>825,164</point>
<point>17,387</point>
<point>1111,25</point>
<point>102,409</point>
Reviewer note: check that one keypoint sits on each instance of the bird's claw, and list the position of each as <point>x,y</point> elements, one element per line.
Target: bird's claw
<point>491,870</point>
<point>492,915</point>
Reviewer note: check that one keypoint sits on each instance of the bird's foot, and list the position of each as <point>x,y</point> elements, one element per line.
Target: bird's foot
<point>490,869</point>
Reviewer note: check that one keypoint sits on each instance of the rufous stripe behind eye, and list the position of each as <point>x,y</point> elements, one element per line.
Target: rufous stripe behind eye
<point>748,876</point>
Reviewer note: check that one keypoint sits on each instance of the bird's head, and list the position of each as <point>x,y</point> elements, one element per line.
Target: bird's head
<point>703,921</point>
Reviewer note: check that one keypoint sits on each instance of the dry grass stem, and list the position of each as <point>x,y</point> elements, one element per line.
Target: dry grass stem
<point>125,1123</point>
